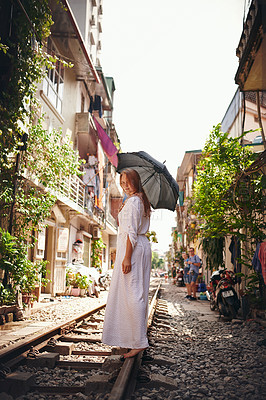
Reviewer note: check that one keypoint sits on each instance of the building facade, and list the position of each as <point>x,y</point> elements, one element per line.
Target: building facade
<point>75,99</point>
<point>245,114</point>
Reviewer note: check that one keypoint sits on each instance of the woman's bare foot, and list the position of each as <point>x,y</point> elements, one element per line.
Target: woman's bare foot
<point>133,353</point>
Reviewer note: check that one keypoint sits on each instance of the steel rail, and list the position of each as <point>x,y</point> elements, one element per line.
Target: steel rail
<point>126,380</point>
<point>16,350</point>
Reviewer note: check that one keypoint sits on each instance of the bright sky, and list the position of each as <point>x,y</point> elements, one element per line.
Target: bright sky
<point>174,64</point>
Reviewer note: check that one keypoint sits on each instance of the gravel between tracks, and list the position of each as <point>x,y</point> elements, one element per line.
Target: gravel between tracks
<point>213,359</point>
<point>58,312</point>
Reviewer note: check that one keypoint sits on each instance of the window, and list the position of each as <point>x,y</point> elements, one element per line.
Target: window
<point>61,255</point>
<point>53,83</point>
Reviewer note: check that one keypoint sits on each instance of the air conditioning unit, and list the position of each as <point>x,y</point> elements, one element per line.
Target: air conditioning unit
<point>96,233</point>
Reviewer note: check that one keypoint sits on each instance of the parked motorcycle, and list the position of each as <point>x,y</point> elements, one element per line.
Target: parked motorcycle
<point>180,277</point>
<point>222,294</point>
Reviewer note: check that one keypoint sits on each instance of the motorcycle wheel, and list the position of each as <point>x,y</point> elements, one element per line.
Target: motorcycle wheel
<point>232,311</point>
<point>212,304</point>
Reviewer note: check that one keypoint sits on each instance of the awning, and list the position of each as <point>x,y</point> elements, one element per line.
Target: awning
<point>72,48</point>
<point>251,51</point>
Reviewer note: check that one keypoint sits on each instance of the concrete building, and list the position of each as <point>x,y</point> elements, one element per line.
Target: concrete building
<point>186,232</point>
<point>246,113</point>
<point>186,175</point>
<point>71,99</point>
<point>242,116</point>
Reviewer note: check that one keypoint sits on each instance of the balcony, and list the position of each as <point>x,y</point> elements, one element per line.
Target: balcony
<point>72,191</point>
<point>251,50</point>
<point>111,220</point>
<point>110,225</point>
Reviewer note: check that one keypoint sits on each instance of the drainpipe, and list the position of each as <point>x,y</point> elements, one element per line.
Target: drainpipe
<point>259,118</point>
<point>244,116</point>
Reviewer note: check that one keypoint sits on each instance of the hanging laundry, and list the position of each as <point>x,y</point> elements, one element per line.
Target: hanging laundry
<point>96,104</point>
<point>262,258</point>
<point>107,144</point>
<point>97,191</point>
<point>235,250</point>
<point>90,170</point>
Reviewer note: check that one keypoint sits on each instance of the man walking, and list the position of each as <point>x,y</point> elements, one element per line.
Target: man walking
<point>194,263</point>
<point>187,276</point>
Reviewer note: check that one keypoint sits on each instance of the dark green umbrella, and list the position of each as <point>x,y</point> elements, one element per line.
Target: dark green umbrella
<point>159,185</point>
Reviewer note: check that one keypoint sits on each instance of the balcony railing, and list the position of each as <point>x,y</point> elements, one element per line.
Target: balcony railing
<point>111,219</point>
<point>74,190</point>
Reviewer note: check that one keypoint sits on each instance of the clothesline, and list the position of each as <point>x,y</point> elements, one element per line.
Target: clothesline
<point>105,189</point>
<point>97,173</point>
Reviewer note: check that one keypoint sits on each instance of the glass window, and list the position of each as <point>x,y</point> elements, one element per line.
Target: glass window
<point>53,84</point>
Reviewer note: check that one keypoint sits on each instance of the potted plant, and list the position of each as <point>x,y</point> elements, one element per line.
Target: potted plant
<point>32,278</point>
<point>69,280</point>
<point>75,291</point>
<point>20,273</point>
<point>83,284</point>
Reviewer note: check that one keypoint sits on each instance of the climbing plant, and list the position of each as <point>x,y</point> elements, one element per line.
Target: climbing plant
<point>213,247</point>
<point>228,197</point>
<point>97,247</point>
<point>33,161</point>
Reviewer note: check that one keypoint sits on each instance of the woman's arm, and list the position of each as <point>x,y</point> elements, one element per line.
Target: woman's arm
<point>126,264</point>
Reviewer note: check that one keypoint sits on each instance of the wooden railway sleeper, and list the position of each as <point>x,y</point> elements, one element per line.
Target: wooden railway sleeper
<point>143,377</point>
<point>68,328</point>
<point>4,371</point>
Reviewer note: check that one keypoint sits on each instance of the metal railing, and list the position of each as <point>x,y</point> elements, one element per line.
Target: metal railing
<point>73,188</point>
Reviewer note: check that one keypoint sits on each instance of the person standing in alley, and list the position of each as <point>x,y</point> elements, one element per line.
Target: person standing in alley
<point>125,322</point>
<point>187,276</point>
<point>174,274</point>
<point>194,263</point>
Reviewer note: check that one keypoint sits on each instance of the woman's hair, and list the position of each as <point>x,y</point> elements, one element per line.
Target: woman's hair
<point>135,182</point>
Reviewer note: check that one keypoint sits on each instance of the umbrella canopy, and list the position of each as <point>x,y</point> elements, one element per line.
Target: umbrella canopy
<point>159,185</point>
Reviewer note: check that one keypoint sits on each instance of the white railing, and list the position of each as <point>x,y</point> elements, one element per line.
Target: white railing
<point>111,219</point>
<point>74,189</point>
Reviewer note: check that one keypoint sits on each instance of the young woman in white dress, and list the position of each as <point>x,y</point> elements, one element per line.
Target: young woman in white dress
<point>125,323</point>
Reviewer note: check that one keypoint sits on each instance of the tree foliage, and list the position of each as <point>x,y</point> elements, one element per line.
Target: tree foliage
<point>22,65</point>
<point>225,198</point>
<point>213,247</point>
<point>228,196</point>
<point>33,160</point>
<point>156,261</point>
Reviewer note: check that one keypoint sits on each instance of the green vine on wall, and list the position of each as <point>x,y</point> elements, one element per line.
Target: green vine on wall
<point>33,161</point>
<point>97,247</point>
<point>229,197</point>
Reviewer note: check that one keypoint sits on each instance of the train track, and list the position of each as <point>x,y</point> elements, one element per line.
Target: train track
<point>106,375</point>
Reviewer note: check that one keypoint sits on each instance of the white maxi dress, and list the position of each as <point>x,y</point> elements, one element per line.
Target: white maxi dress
<point>125,322</point>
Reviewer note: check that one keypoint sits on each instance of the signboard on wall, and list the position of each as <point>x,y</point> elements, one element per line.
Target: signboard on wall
<point>62,242</point>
